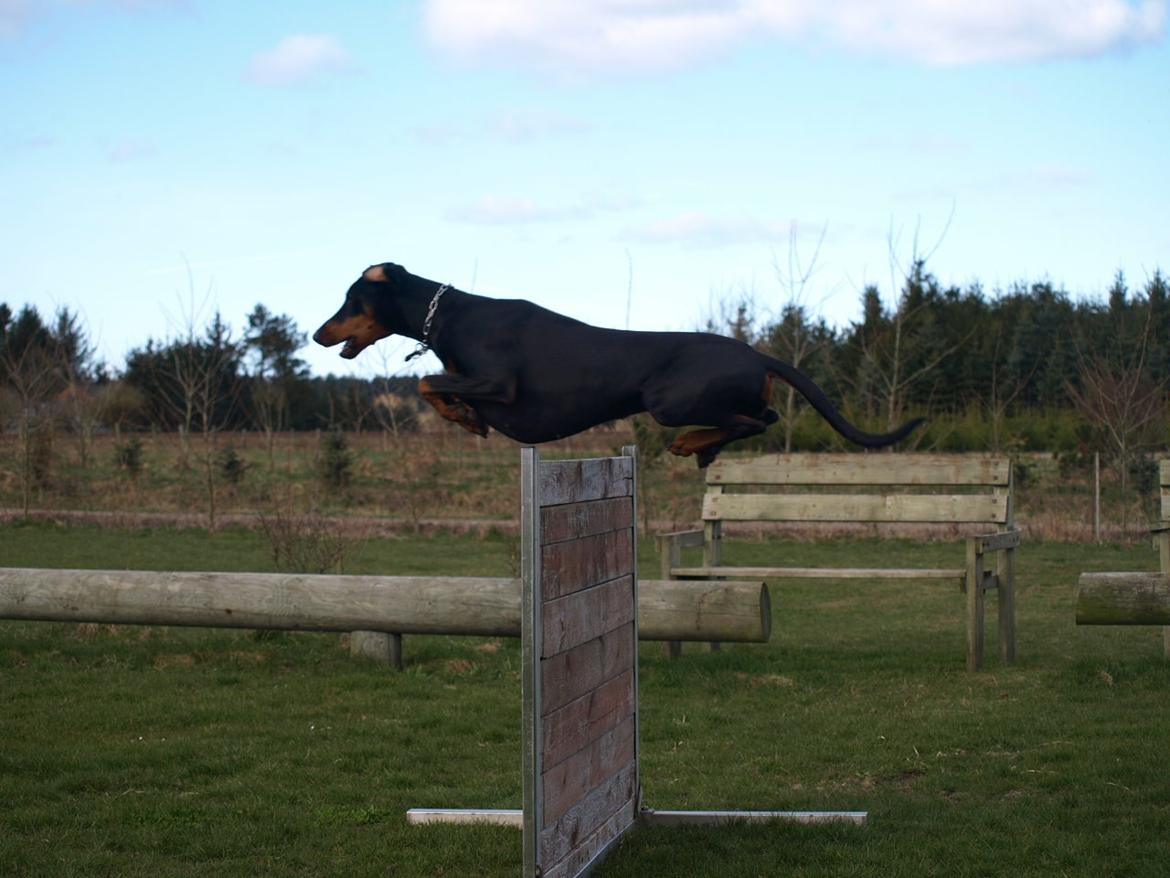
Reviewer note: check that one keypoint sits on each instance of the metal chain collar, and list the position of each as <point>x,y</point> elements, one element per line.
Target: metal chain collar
<point>425,344</point>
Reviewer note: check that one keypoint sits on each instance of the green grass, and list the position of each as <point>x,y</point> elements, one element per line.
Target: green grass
<point>173,752</point>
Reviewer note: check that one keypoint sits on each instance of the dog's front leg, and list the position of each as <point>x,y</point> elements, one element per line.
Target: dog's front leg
<point>449,394</point>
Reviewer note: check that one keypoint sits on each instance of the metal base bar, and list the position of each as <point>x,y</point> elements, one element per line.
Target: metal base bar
<point>492,816</point>
<point>651,817</point>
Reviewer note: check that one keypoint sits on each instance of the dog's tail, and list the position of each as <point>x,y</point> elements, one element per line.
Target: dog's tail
<point>817,399</point>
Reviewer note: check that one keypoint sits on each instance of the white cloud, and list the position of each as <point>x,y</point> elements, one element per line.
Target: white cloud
<point>509,210</point>
<point>298,59</point>
<point>701,230</point>
<point>510,126</point>
<point>604,35</point>
<point>15,15</point>
<point>505,210</point>
<point>131,151</point>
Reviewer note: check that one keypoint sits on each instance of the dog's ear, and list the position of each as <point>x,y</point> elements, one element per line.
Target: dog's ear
<point>383,273</point>
<point>375,273</point>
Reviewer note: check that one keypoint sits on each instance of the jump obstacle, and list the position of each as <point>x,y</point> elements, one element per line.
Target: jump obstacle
<point>376,610</point>
<point>576,608</point>
<point>580,717</point>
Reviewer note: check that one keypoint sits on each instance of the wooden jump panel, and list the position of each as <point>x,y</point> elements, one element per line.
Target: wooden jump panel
<point>581,786</point>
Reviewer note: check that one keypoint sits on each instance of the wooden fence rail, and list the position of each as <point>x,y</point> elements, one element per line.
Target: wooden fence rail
<point>735,611</point>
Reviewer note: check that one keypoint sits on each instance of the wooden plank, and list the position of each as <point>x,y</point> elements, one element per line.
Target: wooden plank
<point>572,521</point>
<point>1165,503</point>
<point>576,725</point>
<point>574,481</point>
<point>997,542</point>
<point>585,615</point>
<point>1164,473</point>
<point>570,674</point>
<point>819,572</point>
<point>1123,599</point>
<point>567,783</point>
<point>590,850</point>
<point>888,508</point>
<point>861,469</point>
<point>587,816</point>
<point>571,566</point>
<point>683,539</point>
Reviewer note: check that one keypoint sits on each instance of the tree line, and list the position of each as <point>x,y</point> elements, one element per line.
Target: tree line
<point>1024,367</point>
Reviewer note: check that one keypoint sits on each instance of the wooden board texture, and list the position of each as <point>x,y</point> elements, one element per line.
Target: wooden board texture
<point>862,469</point>
<point>890,508</point>
<point>581,664</point>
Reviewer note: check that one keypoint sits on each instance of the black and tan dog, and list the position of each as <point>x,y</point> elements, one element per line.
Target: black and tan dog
<point>535,375</point>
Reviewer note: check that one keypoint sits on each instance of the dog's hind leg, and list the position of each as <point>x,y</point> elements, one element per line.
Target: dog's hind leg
<point>707,443</point>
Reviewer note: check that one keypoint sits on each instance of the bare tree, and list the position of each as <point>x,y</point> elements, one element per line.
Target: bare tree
<point>81,406</point>
<point>888,345</point>
<point>1120,397</point>
<point>198,373</point>
<point>30,379</point>
<point>1004,391</point>
<point>793,336</point>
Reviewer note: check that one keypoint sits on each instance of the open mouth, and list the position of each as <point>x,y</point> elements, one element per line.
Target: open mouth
<point>352,348</point>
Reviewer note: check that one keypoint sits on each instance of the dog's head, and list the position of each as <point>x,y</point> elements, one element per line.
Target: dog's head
<point>367,313</point>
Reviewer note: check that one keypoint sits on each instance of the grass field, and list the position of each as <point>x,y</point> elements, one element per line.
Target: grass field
<point>172,752</point>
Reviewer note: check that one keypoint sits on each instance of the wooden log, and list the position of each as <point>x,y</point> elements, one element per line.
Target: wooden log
<point>481,606</point>
<point>1123,599</point>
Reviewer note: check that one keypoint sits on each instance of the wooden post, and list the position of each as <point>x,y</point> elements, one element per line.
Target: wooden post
<point>1164,565</point>
<point>713,551</point>
<point>976,597</point>
<point>1097,496</point>
<point>670,555</point>
<point>1005,570</point>
<point>381,646</point>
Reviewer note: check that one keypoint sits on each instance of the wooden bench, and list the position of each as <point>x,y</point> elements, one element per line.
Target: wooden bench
<point>1133,598</point>
<point>881,489</point>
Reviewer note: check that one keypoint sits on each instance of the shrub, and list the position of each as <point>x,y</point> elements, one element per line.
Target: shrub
<point>231,466</point>
<point>336,466</point>
<point>128,456</point>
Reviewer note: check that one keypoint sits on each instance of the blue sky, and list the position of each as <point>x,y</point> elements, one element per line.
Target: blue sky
<point>569,152</point>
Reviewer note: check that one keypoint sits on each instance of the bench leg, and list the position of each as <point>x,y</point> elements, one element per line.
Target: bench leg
<point>975,606</point>
<point>1006,576</point>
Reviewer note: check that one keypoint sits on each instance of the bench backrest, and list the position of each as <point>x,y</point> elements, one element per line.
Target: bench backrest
<point>927,488</point>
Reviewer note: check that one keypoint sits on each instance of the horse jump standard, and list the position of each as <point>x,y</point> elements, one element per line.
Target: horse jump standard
<point>582,783</point>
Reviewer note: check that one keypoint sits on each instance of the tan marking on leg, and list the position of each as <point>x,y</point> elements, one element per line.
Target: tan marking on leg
<point>453,409</point>
<point>696,440</point>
